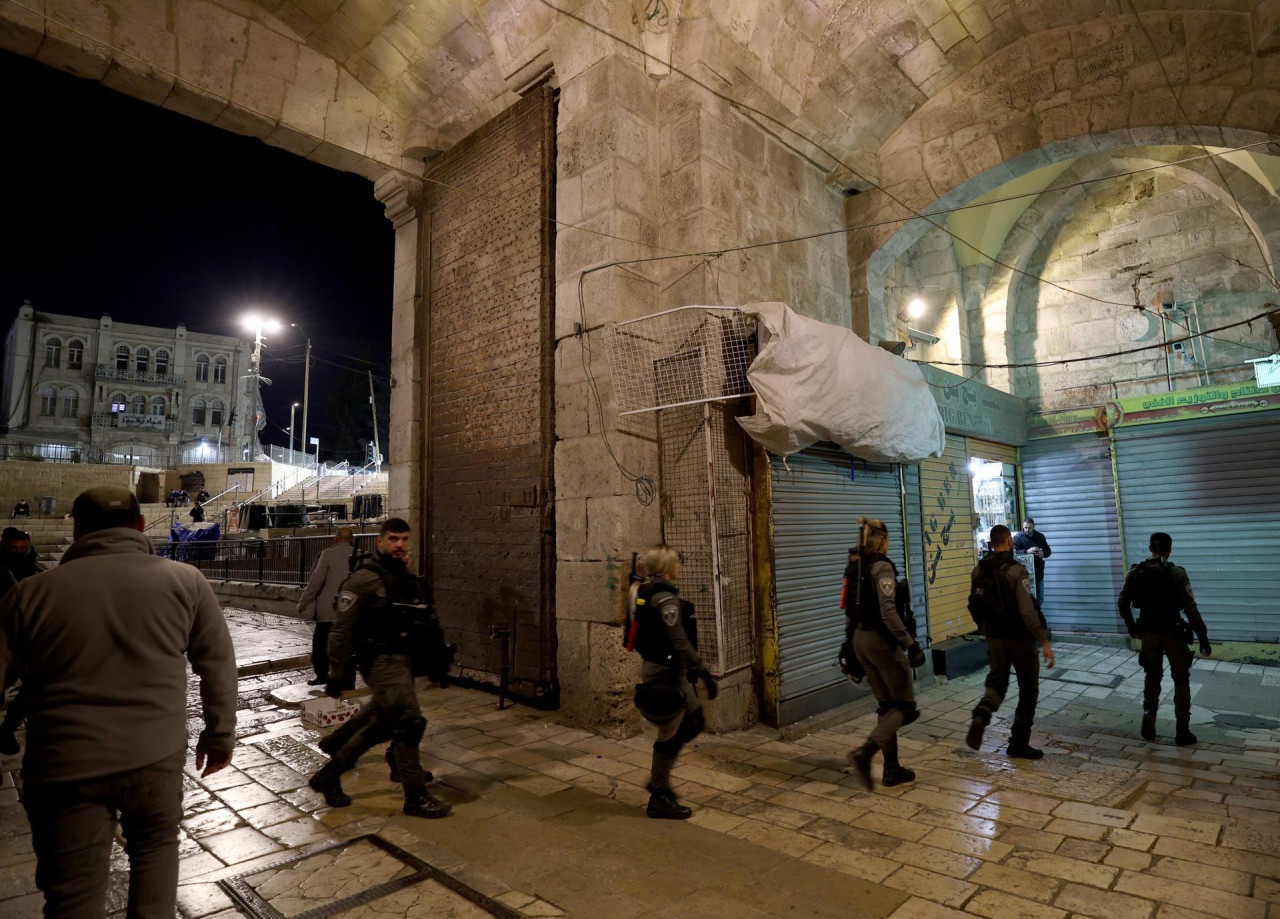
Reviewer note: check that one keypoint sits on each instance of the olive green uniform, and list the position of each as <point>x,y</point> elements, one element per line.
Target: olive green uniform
<point>1161,639</point>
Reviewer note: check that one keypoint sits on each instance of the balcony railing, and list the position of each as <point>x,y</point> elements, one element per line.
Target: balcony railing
<point>130,421</point>
<point>108,372</point>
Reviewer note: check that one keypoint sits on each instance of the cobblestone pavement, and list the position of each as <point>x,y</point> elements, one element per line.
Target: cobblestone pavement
<point>264,637</point>
<point>548,820</point>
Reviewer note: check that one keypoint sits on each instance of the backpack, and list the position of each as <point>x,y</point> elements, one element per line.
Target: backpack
<point>990,602</point>
<point>1154,592</point>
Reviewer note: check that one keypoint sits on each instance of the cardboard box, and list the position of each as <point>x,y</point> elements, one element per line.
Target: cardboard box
<point>325,712</point>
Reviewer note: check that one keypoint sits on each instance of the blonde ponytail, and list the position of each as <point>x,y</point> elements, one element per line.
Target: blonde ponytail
<point>873,536</point>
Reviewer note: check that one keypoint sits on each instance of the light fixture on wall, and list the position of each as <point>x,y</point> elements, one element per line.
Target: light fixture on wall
<point>915,309</point>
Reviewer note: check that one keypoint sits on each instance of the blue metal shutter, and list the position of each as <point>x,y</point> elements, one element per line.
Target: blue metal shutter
<point>816,506</point>
<point>1069,491</point>
<point>915,540</point>
<point>1215,488</point>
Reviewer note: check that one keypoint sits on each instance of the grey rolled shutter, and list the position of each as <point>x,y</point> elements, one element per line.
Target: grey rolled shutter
<point>1214,486</point>
<point>1069,491</point>
<point>816,505</point>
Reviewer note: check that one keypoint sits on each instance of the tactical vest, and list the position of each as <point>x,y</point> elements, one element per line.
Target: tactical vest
<point>1155,593</point>
<point>866,606</point>
<point>380,629</point>
<point>652,642</point>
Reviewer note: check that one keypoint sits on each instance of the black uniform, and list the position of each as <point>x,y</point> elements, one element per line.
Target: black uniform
<point>1013,633</point>
<point>368,625</point>
<point>14,568</point>
<point>666,639</point>
<point>1162,590</point>
<point>1023,543</point>
<point>879,638</point>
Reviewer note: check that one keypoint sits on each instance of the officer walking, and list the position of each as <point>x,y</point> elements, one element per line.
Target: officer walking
<point>1162,590</point>
<point>665,633</point>
<point>884,646</point>
<point>371,620</point>
<point>1000,603</point>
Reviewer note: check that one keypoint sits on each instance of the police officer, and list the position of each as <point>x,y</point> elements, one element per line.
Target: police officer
<point>17,563</point>
<point>884,646</point>
<point>1162,591</point>
<point>665,634</point>
<point>1002,607</point>
<point>369,623</point>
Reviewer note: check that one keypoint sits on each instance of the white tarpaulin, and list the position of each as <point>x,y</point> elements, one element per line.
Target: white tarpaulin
<point>818,382</point>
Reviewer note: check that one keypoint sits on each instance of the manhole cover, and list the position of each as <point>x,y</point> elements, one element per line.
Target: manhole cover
<point>345,879</point>
<point>1233,720</point>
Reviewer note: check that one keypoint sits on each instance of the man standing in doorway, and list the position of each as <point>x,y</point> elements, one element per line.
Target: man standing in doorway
<point>321,593</point>
<point>102,644</point>
<point>1001,605</point>
<point>1162,591</point>
<point>1030,541</point>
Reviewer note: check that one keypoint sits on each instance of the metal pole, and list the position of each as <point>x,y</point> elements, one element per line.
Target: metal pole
<point>714,533</point>
<point>373,407</point>
<point>292,409</point>
<point>306,401</point>
<point>1115,484</point>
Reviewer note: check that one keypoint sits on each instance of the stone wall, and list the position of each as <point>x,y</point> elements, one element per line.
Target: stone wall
<point>21,479</point>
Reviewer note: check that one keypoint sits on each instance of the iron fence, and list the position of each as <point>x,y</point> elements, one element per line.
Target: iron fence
<point>283,560</point>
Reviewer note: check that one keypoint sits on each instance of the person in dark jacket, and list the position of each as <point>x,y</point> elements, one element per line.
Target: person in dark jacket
<point>1030,541</point>
<point>21,509</point>
<point>666,635</point>
<point>197,513</point>
<point>1162,591</point>
<point>18,561</point>
<point>884,647</point>
<point>1001,605</point>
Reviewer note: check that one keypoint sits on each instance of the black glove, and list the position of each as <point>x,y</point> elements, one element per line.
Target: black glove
<point>915,655</point>
<point>708,683</point>
<point>1205,648</point>
<point>333,688</point>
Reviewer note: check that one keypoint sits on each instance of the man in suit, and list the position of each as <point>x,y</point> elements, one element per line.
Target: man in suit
<point>332,568</point>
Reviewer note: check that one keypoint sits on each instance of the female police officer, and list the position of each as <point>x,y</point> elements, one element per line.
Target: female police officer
<point>665,634</point>
<point>879,640</point>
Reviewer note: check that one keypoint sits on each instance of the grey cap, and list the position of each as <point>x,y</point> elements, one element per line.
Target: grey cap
<point>105,506</point>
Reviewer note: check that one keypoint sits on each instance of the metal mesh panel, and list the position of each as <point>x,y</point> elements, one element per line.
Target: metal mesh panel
<point>680,357</point>
<point>704,515</point>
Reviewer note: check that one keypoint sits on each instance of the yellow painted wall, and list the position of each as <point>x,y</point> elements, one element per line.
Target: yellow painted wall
<point>949,557</point>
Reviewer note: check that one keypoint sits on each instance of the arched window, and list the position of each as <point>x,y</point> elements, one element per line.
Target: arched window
<point>142,360</point>
<point>158,406</point>
<point>162,361</point>
<point>75,354</point>
<point>219,370</point>
<point>138,405</point>
<point>122,358</point>
<point>202,368</point>
<point>53,352</point>
<point>215,413</point>
<point>70,403</point>
<point>197,410</point>
<point>48,400</point>
<point>117,403</point>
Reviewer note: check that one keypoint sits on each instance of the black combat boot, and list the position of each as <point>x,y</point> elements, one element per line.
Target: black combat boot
<point>1020,745</point>
<point>1184,737</point>
<point>330,744</point>
<point>395,770</point>
<point>860,759</point>
<point>894,772</point>
<point>977,727</point>
<point>328,781</point>
<point>1148,725</point>
<point>424,804</point>
<point>664,806</point>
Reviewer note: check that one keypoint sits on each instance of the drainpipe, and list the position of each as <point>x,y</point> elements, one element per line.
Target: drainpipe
<point>1164,335</point>
<point>1115,484</point>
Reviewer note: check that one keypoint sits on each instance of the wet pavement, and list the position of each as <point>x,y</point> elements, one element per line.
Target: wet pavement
<point>548,820</point>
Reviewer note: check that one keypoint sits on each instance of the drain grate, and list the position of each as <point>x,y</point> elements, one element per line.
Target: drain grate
<point>275,891</point>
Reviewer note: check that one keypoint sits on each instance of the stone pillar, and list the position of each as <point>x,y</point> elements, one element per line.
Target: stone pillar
<point>401,197</point>
<point>606,176</point>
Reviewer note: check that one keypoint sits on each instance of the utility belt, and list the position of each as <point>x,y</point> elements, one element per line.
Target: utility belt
<point>1164,625</point>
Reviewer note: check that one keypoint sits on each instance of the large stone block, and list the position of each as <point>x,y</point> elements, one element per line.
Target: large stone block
<point>21,30</point>
<point>591,591</point>
<point>584,469</point>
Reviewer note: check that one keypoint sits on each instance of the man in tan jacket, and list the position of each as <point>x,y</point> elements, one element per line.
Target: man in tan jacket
<point>317,600</point>
<point>101,644</point>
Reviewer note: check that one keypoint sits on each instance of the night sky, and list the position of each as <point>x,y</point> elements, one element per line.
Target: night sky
<point>111,205</point>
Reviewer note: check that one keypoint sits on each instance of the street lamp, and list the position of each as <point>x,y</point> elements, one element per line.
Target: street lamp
<point>306,390</point>
<point>293,408</point>
<point>258,324</point>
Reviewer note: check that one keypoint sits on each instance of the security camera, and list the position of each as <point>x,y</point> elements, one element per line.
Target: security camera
<point>894,347</point>
<point>925,337</point>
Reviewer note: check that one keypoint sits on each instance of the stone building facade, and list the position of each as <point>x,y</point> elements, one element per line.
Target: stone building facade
<point>709,127</point>
<point>86,390</point>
